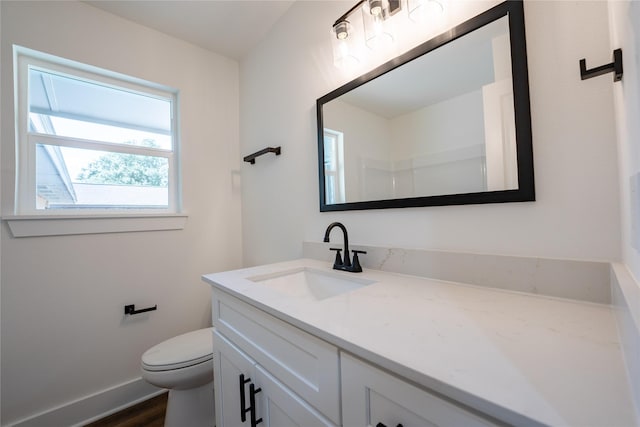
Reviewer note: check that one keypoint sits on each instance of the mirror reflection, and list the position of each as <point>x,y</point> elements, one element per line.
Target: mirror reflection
<point>439,125</point>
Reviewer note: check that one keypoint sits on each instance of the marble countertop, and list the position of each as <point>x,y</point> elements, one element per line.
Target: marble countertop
<point>524,359</point>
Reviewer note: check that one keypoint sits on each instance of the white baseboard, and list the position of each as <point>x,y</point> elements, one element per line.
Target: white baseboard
<point>93,407</point>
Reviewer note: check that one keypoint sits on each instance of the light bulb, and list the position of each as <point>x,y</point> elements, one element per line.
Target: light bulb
<point>342,30</point>
<point>377,30</point>
<point>375,7</point>
<point>344,49</point>
<point>344,43</point>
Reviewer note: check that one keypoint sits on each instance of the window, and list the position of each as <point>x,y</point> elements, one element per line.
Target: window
<point>333,166</point>
<point>90,141</point>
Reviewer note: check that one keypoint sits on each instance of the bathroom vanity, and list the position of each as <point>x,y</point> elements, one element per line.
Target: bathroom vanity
<point>297,343</point>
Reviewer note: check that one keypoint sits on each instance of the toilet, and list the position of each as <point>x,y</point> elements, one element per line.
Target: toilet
<point>184,365</point>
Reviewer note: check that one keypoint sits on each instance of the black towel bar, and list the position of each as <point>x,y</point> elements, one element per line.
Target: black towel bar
<point>251,158</point>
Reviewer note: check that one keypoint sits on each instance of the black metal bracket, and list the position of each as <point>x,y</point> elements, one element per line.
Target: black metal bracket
<point>394,7</point>
<point>251,158</point>
<point>348,12</point>
<point>131,309</point>
<point>614,67</point>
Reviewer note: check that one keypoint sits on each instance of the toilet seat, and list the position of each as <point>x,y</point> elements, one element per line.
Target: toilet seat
<point>180,352</point>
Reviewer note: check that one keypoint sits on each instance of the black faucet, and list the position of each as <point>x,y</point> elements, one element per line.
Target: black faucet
<point>339,264</point>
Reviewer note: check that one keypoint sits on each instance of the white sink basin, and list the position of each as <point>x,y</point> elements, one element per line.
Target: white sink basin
<point>311,284</point>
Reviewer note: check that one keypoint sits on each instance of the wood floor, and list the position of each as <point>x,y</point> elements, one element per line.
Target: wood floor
<point>149,413</point>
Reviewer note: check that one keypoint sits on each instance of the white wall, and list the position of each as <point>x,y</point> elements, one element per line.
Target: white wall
<point>64,335</point>
<point>438,127</point>
<point>624,18</point>
<point>431,139</point>
<point>575,215</point>
<point>361,128</point>
<point>625,34</point>
<point>1,108</point>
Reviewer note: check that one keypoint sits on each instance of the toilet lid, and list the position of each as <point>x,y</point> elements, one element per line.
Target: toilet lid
<point>179,352</point>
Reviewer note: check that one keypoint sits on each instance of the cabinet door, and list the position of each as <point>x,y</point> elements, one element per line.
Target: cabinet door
<point>371,396</point>
<point>305,364</point>
<point>230,364</point>
<point>281,407</point>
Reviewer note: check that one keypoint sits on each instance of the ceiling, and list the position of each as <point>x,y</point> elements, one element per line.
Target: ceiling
<point>228,27</point>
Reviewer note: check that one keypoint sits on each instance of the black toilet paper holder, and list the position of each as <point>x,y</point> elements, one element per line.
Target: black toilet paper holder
<point>131,309</point>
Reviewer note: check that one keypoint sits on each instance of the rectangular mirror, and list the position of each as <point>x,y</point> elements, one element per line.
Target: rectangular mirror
<point>447,123</point>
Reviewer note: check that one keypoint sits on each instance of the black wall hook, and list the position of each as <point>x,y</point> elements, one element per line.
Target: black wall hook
<point>614,67</point>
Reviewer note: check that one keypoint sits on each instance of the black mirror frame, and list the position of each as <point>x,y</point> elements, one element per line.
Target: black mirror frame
<point>514,9</point>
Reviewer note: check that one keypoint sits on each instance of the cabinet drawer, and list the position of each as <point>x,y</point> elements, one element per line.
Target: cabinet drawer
<point>304,363</point>
<point>372,396</point>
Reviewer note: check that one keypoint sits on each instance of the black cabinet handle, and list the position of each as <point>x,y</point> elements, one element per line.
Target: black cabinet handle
<point>243,410</point>
<point>252,401</point>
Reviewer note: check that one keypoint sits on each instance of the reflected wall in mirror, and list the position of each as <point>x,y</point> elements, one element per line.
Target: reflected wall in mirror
<point>446,123</point>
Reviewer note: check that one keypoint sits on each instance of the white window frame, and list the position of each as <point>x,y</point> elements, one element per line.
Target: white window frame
<point>97,220</point>
<point>337,174</point>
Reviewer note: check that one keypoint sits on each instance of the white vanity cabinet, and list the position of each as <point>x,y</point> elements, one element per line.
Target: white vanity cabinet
<point>396,349</point>
<point>270,373</point>
<point>372,397</point>
<point>297,374</point>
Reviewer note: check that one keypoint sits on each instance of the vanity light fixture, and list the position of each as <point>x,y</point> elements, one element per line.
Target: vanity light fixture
<point>378,32</point>
<point>371,23</point>
<point>341,29</point>
<point>375,7</point>
<point>345,45</point>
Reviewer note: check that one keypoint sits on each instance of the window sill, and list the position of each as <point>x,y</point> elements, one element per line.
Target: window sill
<point>34,226</point>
